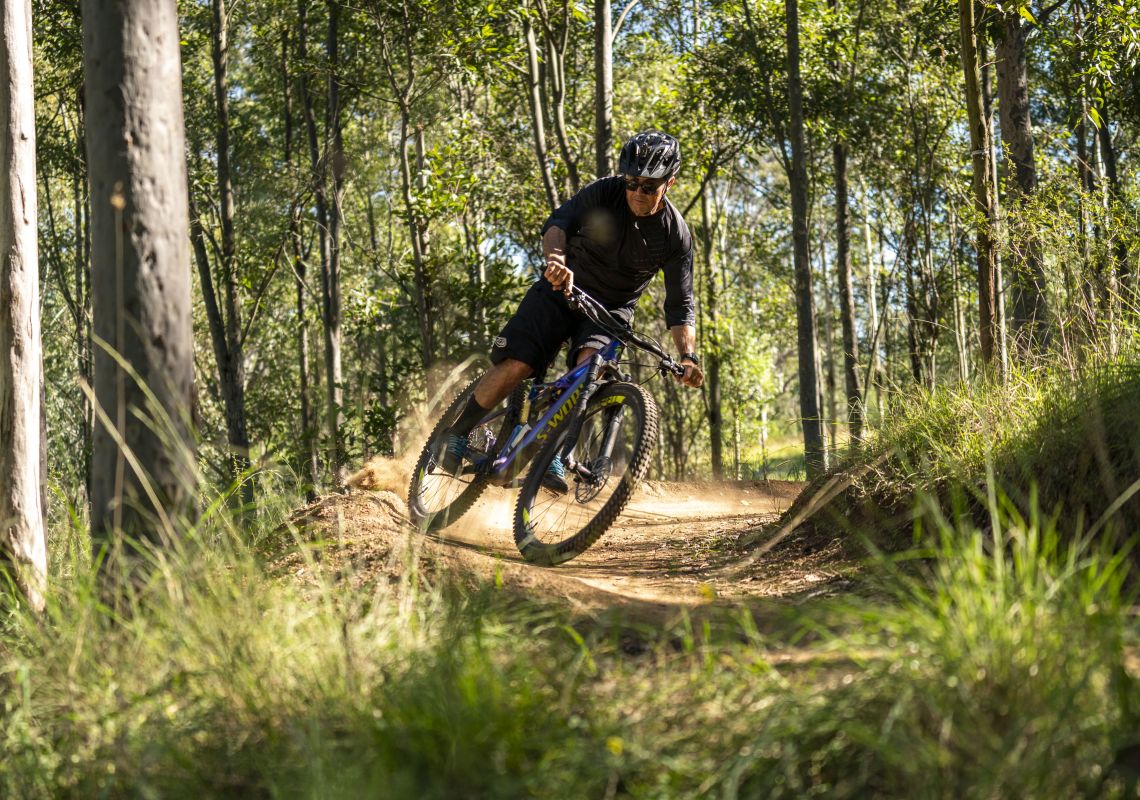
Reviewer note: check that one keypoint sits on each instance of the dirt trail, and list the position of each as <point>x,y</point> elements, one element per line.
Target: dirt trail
<point>676,546</point>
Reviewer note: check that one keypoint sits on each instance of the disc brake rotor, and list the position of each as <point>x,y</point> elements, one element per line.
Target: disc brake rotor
<point>587,490</point>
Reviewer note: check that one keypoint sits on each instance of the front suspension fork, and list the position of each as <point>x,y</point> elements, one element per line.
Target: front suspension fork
<point>579,413</point>
<point>575,428</point>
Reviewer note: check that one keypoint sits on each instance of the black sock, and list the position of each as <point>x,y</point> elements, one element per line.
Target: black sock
<point>469,417</point>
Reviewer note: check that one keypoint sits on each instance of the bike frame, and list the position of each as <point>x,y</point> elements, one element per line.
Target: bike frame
<point>573,388</point>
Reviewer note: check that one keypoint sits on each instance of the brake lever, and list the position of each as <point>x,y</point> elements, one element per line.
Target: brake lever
<point>670,367</point>
<point>576,302</point>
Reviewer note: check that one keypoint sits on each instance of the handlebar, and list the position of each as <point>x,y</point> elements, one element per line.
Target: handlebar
<point>601,316</point>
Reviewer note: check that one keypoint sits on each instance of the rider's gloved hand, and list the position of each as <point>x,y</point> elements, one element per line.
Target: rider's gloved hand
<point>693,376</point>
<point>559,275</point>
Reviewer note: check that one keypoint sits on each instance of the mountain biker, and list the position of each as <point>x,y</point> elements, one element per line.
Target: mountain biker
<point>610,239</point>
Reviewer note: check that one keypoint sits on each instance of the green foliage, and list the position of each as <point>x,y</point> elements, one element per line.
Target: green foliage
<point>885,79</point>
<point>999,672</point>
<point>996,668</point>
<point>1060,441</point>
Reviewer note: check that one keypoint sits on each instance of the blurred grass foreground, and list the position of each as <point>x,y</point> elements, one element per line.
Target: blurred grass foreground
<point>993,655</point>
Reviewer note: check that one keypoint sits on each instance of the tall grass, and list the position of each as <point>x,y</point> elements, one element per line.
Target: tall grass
<point>227,680</point>
<point>996,673</point>
<point>1071,438</point>
<point>995,670</point>
<point>994,662</point>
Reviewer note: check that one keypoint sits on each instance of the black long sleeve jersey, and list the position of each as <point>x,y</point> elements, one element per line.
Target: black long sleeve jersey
<point>614,253</point>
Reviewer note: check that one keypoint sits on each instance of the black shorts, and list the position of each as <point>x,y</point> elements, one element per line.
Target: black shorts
<point>543,321</point>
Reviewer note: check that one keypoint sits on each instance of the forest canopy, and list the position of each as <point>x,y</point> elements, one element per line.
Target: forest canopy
<point>412,151</point>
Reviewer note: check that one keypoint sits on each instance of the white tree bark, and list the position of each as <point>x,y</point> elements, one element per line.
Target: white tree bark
<point>142,455</point>
<point>604,88</point>
<point>21,359</point>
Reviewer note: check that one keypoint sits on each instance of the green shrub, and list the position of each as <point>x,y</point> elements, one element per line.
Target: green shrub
<point>1070,439</point>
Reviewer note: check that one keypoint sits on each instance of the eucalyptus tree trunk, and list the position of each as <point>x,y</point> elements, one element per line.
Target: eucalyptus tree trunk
<point>675,430</point>
<point>82,267</point>
<point>603,87</point>
<point>914,347</point>
<point>319,184</point>
<point>815,455</point>
<point>388,445</point>
<point>472,224</point>
<point>983,185</point>
<point>299,268</point>
<point>23,548</point>
<point>330,278</point>
<point>1104,275</point>
<point>1123,275</point>
<point>828,437</point>
<point>1102,232</point>
<point>874,367</point>
<point>227,332</point>
<point>557,43</point>
<point>658,471</point>
<point>711,327</point>
<point>997,219</point>
<point>960,335</point>
<point>538,127</point>
<point>1084,180</point>
<point>852,384</point>
<point>733,373</point>
<point>929,284</point>
<point>829,383</point>
<point>142,472</point>
<point>422,279</point>
<point>1030,308</point>
<point>1086,289</point>
<point>736,406</point>
<point>887,324</point>
<point>851,381</point>
<point>402,80</point>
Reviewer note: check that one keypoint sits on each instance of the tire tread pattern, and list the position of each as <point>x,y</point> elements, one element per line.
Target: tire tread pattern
<point>463,502</point>
<point>551,554</point>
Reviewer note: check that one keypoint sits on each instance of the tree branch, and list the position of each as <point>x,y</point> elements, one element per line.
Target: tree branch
<point>621,18</point>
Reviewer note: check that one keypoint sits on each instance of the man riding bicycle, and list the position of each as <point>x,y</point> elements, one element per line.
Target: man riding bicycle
<point>610,239</point>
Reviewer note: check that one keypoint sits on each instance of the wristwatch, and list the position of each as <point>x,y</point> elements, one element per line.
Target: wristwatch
<point>692,357</point>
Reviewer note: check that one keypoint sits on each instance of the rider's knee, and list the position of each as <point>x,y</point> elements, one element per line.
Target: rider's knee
<point>514,368</point>
<point>585,354</point>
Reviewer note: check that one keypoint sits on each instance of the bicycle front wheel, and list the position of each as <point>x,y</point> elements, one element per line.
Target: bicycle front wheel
<point>611,455</point>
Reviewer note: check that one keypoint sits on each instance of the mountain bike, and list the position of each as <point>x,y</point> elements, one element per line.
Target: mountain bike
<point>601,424</point>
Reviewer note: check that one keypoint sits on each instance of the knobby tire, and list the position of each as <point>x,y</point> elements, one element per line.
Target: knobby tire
<point>428,520</point>
<point>635,400</point>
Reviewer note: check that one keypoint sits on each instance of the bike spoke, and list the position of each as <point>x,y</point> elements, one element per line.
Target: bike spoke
<point>435,498</point>
<point>554,518</point>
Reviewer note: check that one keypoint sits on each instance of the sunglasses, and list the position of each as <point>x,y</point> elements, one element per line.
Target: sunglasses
<point>632,185</point>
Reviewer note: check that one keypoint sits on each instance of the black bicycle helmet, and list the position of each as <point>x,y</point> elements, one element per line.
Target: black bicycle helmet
<point>650,154</point>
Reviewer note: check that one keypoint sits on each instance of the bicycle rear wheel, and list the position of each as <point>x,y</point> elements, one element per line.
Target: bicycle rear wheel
<point>436,499</point>
<point>619,430</point>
